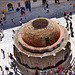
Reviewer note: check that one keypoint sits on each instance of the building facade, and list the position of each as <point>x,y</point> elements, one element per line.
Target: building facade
<point>12,5</point>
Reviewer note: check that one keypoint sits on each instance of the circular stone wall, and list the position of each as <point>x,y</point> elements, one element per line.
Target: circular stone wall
<point>33,45</point>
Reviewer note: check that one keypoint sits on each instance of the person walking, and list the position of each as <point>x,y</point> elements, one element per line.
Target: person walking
<point>58,2</point>
<point>25,14</point>
<point>70,15</point>
<point>36,71</point>
<point>3,53</point>
<point>20,22</point>
<point>2,72</point>
<point>65,14</point>
<point>4,19</point>
<point>20,18</point>
<point>10,73</point>
<point>7,69</point>
<point>1,68</point>
<point>29,8</point>
<point>11,56</point>
<point>26,69</point>
<point>13,21</point>
<point>13,31</point>
<point>67,26</point>
<point>46,5</point>
<point>1,23</point>
<point>70,24</point>
<point>41,72</point>
<point>47,10</point>
<point>72,33</point>
<point>46,73</point>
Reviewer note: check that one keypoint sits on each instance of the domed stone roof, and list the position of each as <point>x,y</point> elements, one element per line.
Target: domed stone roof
<point>40,32</point>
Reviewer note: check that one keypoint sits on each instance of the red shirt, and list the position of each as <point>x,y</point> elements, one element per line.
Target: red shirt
<point>64,12</point>
<point>24,13</point>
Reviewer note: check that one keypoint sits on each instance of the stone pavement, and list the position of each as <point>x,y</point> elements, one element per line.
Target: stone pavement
<point>54,11</point>
<point>7,43</point>
<point>62,21</point>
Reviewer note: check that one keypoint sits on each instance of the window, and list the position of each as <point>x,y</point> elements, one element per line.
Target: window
<point>10,7</point>
<point>34,0</point>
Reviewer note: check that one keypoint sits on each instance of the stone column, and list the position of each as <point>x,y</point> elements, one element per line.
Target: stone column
<point>42,62</point>
<point>20,57</point>
<point>54,58</point>
<point>30,61</point>
<point>63,52</point>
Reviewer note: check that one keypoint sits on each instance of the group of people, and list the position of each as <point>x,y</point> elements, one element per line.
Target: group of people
<point>20,21</point>
<point>22,13</point>
<point>69,27</point>
<point>12,64</point>
<point>60,70</point>
<point>2,20</point>
<point>7,70</point>
<point>6,67</point>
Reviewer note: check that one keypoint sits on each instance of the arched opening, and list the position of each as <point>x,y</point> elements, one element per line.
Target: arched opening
<point>10,7</point>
